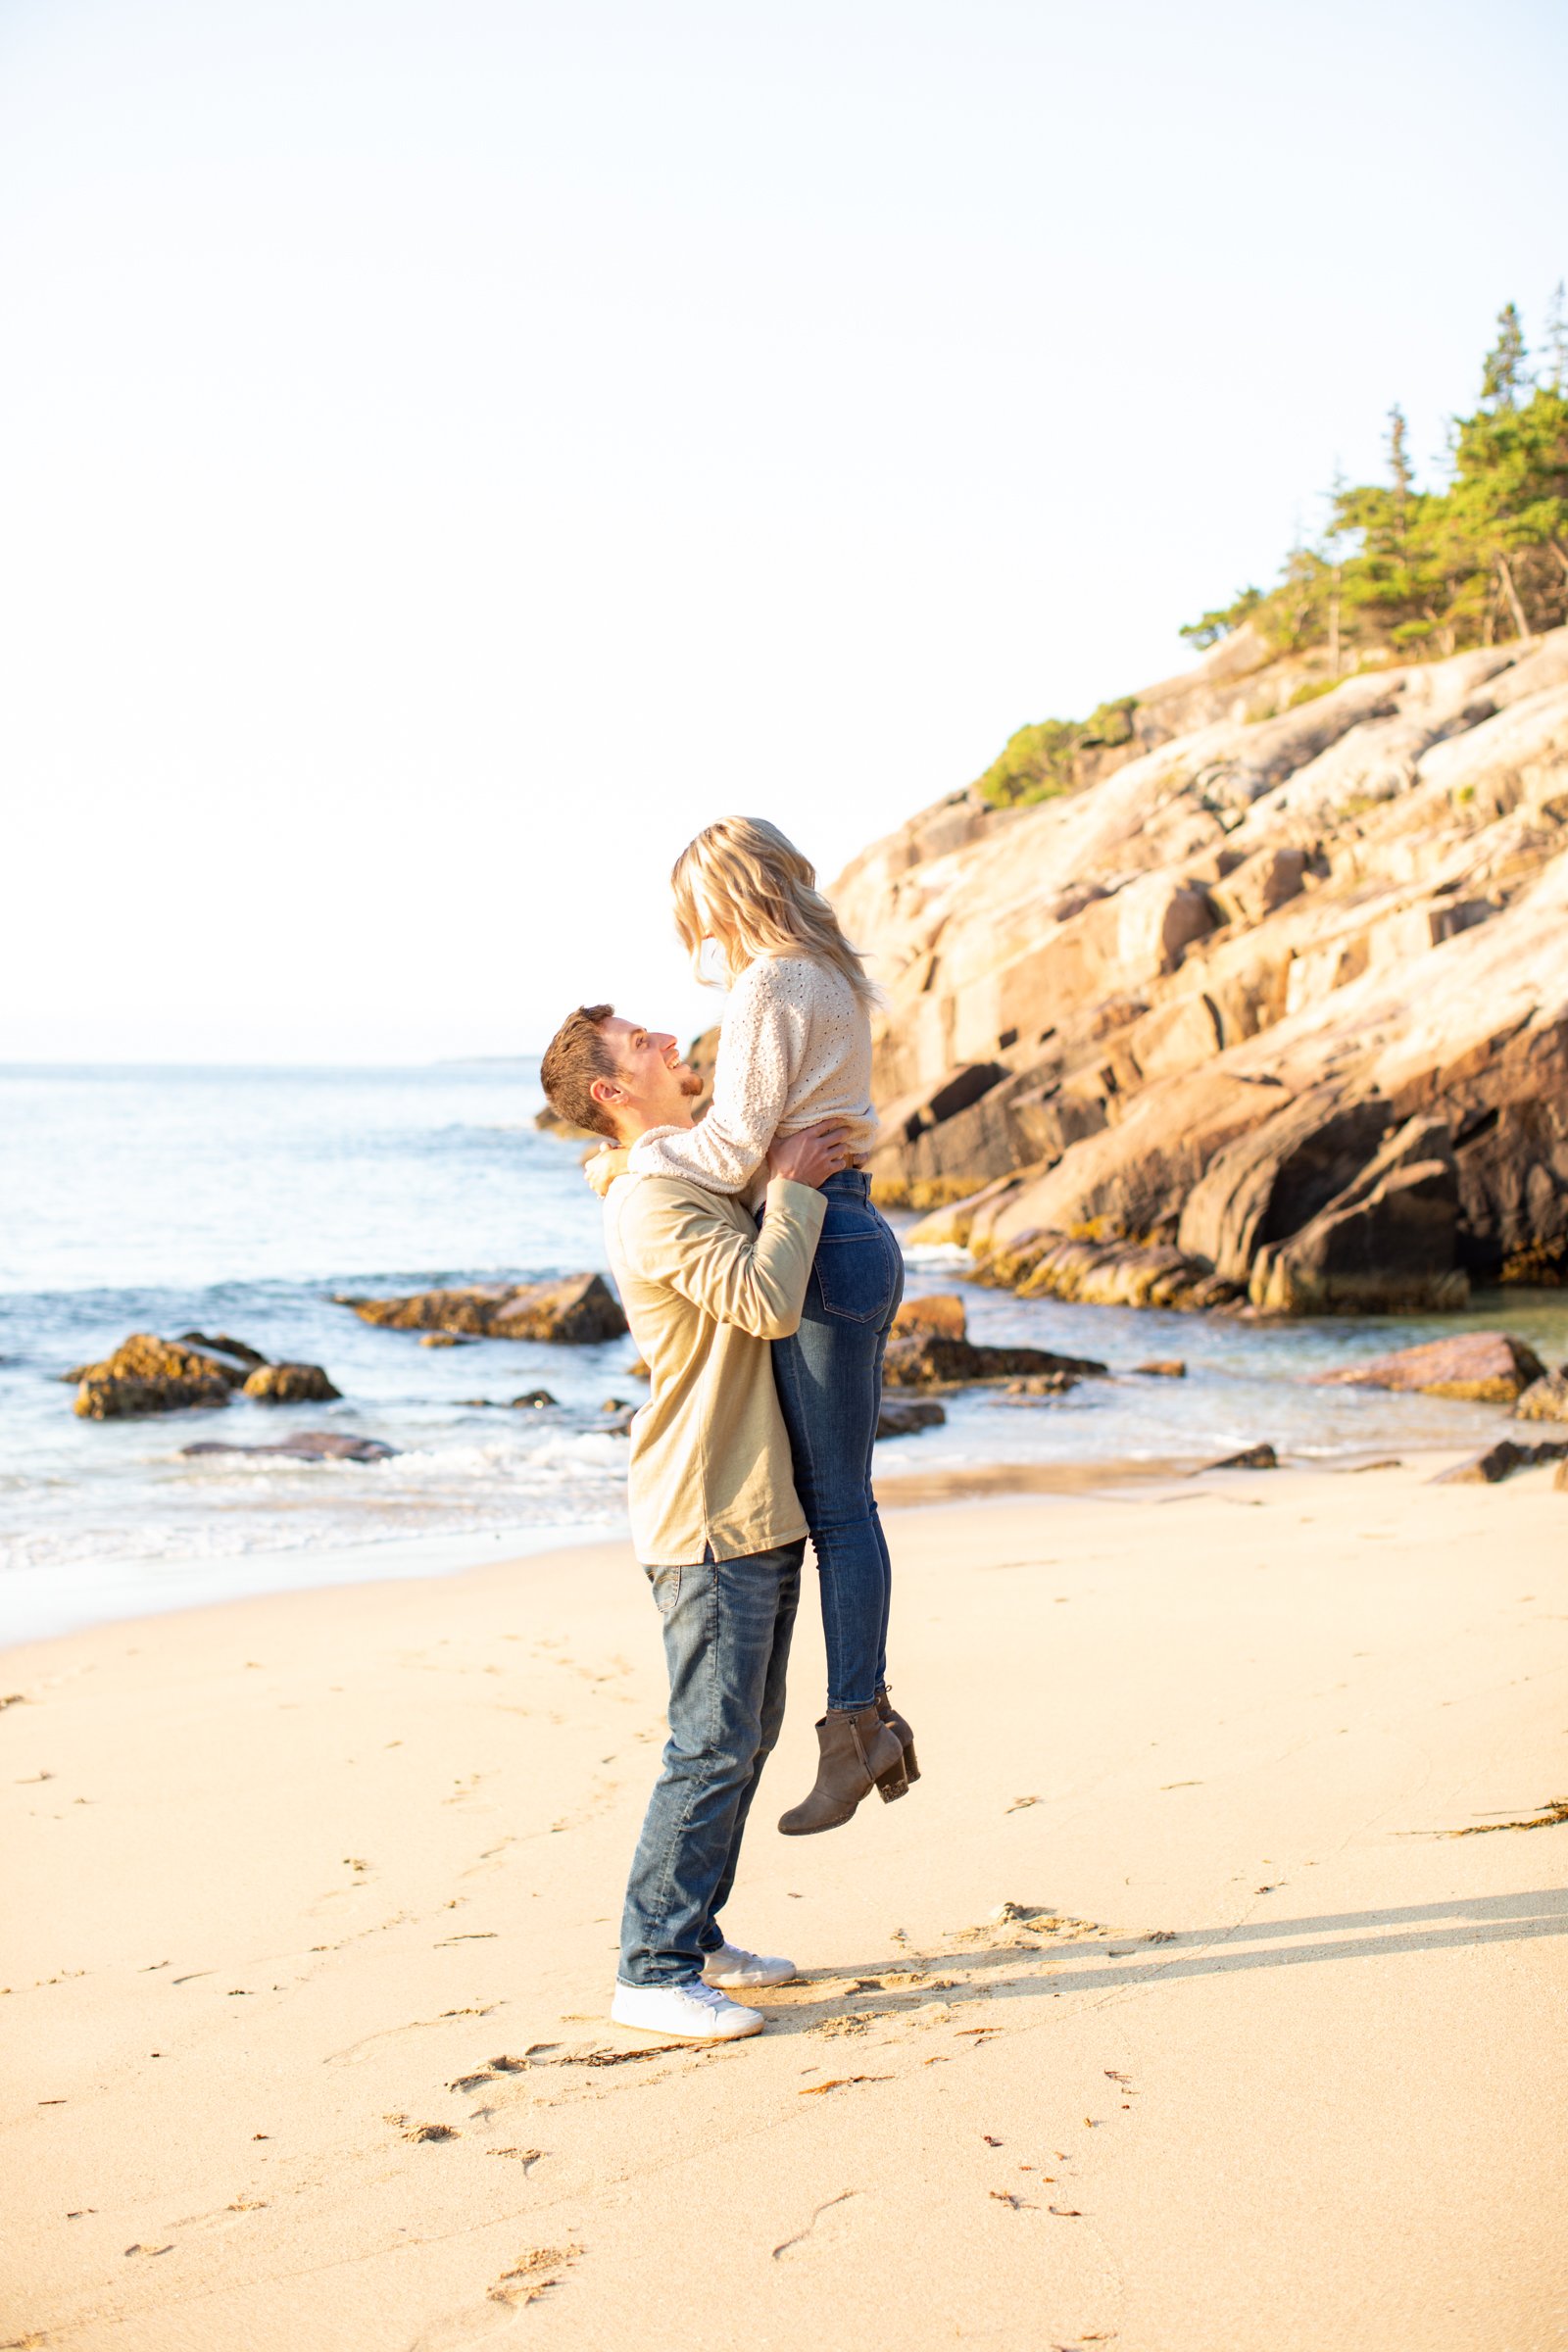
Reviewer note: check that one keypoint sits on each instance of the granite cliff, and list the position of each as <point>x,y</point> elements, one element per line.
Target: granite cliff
<point>1271,1008</point>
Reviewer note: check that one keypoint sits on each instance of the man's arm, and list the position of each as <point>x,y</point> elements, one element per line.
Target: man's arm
<point>755,1282</point>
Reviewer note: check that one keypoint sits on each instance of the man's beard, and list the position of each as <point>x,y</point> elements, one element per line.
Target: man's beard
<point>691,1084</point>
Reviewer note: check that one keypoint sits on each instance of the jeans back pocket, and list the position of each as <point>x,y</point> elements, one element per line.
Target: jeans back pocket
<point>858,1267</point>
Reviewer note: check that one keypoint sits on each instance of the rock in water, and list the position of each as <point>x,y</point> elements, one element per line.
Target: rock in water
<point>1384,1245</point>
<point>942,1313</point>
<point>1163,1368</point>
<point>1484,1367</point>
<point>903,1417</point>
<point>576,1310</point>
<point>234,1358</point>
<point>1501,1460</point>
<point>924,1361</point>
<point>1251,1458</point>
<point>291,1384</point>
<point>1545,1400</point>
<point>307,1446</point>
<point>1097,1273</point>
<point>149,1375</point>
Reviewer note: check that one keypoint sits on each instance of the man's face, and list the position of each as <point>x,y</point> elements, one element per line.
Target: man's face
<point>653,1088</point>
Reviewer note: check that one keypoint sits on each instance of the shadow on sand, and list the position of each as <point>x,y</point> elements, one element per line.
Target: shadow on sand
<point>1084,1966</point>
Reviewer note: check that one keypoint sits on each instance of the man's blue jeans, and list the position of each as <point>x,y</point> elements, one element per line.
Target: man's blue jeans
<point>829,1380</point>
<point>728,1627</point>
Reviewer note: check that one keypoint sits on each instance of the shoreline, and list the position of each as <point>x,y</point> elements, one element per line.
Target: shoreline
<point>394,1558</point>
<point>1180,2003</point>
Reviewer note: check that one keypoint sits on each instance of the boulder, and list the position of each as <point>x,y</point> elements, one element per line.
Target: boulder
<point>924,1361</point>
<point>149,1375</point>
<point>576,1310</point>
<point>951,1226</point>
<point>1276,1178</point>
<point>307,1446</point>
<point>533,1399</point>
<point>1015,1122</point>
<point>1501,1460</point>
<point>1386,1245</point>
<point>1251,1457</point>
<point>903,1417</point>
<point>938,1100</point>
<point>940,1311</point>
<point>1036,1384</point>
<point>1545,1400</point>
<point>1126,1180</point>
<point>1481,1367</point>
<point>291,1384</point>
<point>1114,1273</point>
<point>233,1357</point>
<point>1252,891</point>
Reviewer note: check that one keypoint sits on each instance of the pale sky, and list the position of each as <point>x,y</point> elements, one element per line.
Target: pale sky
<point>452,451</point>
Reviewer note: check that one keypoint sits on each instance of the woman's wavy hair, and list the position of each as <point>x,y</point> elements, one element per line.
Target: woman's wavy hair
<point>744,885</point>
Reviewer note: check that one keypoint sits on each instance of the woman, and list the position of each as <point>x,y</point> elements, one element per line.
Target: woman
<point>795,1049</point>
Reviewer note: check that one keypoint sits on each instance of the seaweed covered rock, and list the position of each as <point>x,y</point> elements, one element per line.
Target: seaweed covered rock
<point>291,1384</point>
<point>149,1375</point>
<point>236,1359</point>
<point>1482,1367</point>
<point>940,1312</point>
<point>576,1310</point>
<point>903,1418</point>
<point>922,1360</point>
<point>1545,1400</point>
<point>1113,1273</point>
<point>1501,1460</point>
<point>307,1446</point>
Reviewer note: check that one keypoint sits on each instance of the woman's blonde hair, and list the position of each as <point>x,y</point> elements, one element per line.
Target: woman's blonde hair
<point>741,883</point>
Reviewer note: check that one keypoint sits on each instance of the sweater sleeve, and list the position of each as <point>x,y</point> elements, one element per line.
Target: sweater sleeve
<point>755,1282</point>
<point>760,1050</point>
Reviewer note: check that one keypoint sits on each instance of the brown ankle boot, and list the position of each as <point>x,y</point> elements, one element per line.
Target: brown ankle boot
<point>857,1754</point>
<point>899,1729</point>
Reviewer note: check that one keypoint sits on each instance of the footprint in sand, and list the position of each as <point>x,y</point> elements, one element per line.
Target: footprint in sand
<point>537,2272</point>
<point>830,2226</point>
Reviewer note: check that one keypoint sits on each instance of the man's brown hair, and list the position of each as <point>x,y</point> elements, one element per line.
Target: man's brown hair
<point>575,1058</point>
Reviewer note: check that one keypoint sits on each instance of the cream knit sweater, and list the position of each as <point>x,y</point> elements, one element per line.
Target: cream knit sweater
<point>794,1047</point>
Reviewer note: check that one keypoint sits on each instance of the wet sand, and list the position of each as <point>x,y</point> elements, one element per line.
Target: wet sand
<point>1200,1998</point>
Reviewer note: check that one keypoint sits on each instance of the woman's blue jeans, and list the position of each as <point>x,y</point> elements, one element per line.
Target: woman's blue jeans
<point>829,1380</point>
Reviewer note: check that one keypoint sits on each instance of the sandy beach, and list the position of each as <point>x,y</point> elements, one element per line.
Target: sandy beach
<point>1170,2012</point>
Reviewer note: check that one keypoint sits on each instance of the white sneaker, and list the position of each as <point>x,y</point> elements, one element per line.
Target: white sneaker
<point>735,1971</point>
<point>693,2011</point>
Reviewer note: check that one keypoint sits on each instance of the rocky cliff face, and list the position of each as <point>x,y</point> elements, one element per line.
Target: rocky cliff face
<point>1279,999</point>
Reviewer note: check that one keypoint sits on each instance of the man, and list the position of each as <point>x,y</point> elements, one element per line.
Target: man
<point>714,1515</point>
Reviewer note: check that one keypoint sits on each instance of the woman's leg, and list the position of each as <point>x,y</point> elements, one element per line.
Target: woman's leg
<point>829,1388</point>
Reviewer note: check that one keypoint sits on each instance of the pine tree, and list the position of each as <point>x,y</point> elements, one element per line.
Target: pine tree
<point>1558,339</point>
<point>1503,376</point>
<point>1401,469</point>
<point>1407,572</point>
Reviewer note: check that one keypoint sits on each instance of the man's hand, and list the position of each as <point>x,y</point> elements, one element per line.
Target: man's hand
<point>602,1167</point>
<point>811,1156</point>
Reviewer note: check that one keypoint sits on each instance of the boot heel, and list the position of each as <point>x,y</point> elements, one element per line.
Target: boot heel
<point>902,1733</point>
<point>895,1781</point>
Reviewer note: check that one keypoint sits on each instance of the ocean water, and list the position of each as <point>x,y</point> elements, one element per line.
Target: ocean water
<point>240,1200</point>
